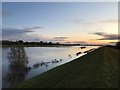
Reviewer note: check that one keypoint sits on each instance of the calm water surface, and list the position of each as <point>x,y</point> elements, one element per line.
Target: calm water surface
<point>20,63</point>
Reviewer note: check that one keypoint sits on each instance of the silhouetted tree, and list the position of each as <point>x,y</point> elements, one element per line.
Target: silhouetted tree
<point>41,42</point>
<point>118,45</point>
<point>57,43</point>
<point>50,43</point>
<point>18,65</point>
<point>18,57</point>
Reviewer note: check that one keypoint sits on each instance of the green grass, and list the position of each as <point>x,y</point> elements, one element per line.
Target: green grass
<point>98,69</point>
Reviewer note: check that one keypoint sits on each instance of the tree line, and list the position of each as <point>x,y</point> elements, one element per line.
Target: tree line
<point>21,42</point>
<point>42,43</point>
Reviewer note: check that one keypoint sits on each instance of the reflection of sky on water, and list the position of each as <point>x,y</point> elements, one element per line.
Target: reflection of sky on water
<point>17,66</point>
<point>43,54</point>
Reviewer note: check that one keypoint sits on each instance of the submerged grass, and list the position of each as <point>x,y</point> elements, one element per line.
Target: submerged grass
<point>97,69</point>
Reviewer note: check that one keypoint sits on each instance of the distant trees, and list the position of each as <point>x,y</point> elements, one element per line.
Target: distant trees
<point>41,43</point>
<point>20,42</point>
<point>118,45</point>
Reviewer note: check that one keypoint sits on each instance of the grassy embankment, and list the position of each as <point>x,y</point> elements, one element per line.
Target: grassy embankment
<point>98,69</point>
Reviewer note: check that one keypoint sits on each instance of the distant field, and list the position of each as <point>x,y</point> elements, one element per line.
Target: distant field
<point>98,69</point>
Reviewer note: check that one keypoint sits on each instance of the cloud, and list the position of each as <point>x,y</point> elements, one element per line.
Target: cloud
<point>109,21</point>
<point>60,38</point>
<point>99,33</point>
<point>83,22</point>
<point>27,34</point>
<point>32,28</point>
<point>13,31</point>
<point>17,33</point>
<point>107,36</point>
<point>74,42</point>
<point>79,42</point>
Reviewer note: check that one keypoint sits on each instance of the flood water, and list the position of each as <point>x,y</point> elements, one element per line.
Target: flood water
<point>21,63</point>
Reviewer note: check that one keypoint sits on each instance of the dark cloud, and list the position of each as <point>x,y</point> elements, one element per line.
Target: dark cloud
<point>99,33</point>
<point>79,42</point>
<point>60,38</point>
<point>37,27</point>
<point>107,36</point>
<point>16,33</point>
<point>32,28</point>
<point>13,31</point>
<point>75,42</point>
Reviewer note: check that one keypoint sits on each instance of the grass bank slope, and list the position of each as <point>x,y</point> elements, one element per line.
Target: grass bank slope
<point>97,69</point>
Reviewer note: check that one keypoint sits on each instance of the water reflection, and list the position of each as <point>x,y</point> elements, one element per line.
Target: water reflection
<point>18,65</point>
<point>69,56</point>
<point>41,59</point>
<point>88,51</point>
<point>55,61</point>
<point>78,53</point>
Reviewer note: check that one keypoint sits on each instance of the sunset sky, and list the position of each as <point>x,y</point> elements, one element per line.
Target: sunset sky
<point>64,22</point>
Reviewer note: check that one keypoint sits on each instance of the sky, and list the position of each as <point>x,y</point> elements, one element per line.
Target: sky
<point>64,22</point>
